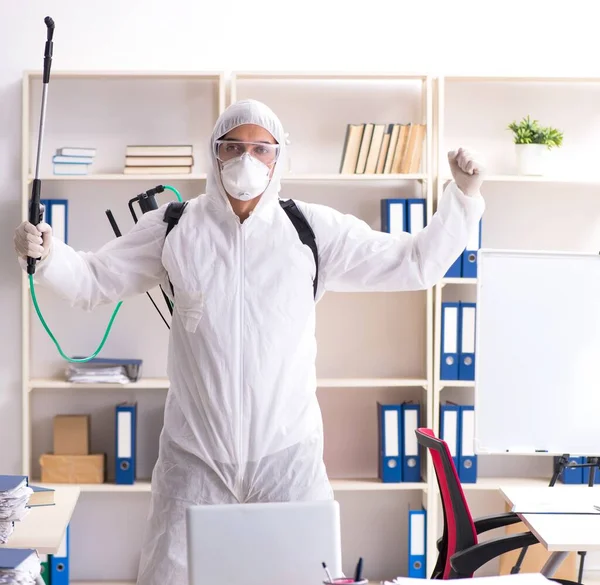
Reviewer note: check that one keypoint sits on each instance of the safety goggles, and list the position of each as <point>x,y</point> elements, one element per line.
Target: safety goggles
<point>229,149</point>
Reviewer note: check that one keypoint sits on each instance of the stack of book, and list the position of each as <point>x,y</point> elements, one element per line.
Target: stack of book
<point>70,160</point>
<point>382,148</point>
<point>165,159</point>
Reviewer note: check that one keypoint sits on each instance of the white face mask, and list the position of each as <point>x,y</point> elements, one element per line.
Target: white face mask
<point>245,177</point>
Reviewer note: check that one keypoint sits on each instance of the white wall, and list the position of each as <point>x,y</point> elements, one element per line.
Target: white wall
<point>441,38</point>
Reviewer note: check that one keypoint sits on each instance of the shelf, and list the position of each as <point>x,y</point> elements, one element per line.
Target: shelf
<point>446,281</point>
<point>325,76</point>
<point>535,179</point>
<point>138,486</point>
<point>122,177</point>
<point>145,384</point>
<point>102,582</point>
<point>207,75</point>
<point>455,384</point>
<point>494,483</point>
<point>336,177</point>
<point>366,485</point>
<point>370,383</point>
<point>163,384</point>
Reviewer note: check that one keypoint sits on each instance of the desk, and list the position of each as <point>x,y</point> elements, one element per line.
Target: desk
<point>44,526</point>
<point>558,533</point>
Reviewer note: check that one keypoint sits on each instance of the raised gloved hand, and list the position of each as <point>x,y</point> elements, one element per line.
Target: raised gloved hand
<point>466,171</point>
<point>33,240</point>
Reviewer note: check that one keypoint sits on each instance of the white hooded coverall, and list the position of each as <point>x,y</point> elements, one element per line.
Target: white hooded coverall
<point>242,422</point>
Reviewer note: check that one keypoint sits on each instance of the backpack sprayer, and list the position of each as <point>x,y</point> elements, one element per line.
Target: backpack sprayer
<point>146,201</point>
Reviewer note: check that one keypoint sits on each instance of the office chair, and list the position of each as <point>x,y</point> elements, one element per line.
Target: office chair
<point>460,553</point>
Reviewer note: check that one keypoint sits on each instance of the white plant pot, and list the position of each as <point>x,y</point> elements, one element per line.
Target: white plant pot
<point>531,159</point>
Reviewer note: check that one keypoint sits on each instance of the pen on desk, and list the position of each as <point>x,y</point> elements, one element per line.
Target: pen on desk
<point>358,572</point>
<point>327,572</point>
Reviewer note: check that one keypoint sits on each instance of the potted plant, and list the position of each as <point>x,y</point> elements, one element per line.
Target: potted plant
<point>532,143</point>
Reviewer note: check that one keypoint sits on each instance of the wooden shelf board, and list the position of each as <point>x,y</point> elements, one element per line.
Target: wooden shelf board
<point>520,79</point>
<point>138,74</point>
<point>49,384</point>
<point>306,177</point>
<point>370,382</point>
<point>446,281</point>
<point>163,384</point>
<point>323,75</point>
<point>138,486</point>
<point>357,485</point>
<point>455,384</point>
<point>122,177</point>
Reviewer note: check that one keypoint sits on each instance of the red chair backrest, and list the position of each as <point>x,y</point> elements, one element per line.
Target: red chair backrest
<point>459,530</point>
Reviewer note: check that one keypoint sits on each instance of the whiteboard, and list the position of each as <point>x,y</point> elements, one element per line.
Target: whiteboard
<point>537,353</point>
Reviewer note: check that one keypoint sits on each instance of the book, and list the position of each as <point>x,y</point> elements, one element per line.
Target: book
<point>354,133</point>
<point>76,160</point>
<point>76,151</point>
<point>374,149</point>
<point>385,144</point>
<point>158,161</point>
<point>159,150</point>
<point>70,169</point>
<point>395,133</point>
<point>365,143</point>
<point>41,496</point>
<point>157,170</point>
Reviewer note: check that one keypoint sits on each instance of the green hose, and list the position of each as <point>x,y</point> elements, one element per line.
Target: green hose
<point>110,322</point>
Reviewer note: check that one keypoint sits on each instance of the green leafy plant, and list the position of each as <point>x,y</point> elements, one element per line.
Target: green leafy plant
<point>529,131</point>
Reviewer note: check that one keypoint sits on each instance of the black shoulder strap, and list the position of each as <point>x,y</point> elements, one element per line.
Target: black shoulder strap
<point>172,216</point>
<point>305,233</point>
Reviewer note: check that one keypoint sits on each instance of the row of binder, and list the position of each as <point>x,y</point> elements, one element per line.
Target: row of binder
<point>457,360</point>
<point>399,453</point>
<point>578,475</point>
<point>55,568</point>
<point>465,266</point>
<point>457,429</point>
<point>402,215</point>
<point>56,214</point>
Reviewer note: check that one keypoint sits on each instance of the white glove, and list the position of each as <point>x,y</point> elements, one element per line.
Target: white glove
<point>466,171</point>
<point>33,240</point>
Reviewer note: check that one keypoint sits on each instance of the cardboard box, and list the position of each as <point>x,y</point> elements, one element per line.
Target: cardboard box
<point>73,468</point>
<point>536,556</point>
<point>72,434</point>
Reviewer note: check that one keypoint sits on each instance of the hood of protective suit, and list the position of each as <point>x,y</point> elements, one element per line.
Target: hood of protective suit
<point>246,112</point>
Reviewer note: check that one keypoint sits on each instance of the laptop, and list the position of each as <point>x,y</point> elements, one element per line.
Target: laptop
<point>264,543</point>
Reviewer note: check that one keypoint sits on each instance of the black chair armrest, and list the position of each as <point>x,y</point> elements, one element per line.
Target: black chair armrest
<point>486,523</point>
<point>466,562</point>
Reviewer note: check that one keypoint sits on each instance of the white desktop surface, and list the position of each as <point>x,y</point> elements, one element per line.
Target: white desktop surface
<point>558,531</point>
<point>44,526</point>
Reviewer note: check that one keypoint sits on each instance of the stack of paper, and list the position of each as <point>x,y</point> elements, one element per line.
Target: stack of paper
<point>19,566</point>
<point>104,371</point>
<point>14,496</point>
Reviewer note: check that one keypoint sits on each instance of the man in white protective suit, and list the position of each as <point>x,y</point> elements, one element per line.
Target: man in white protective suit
<point>242,422</point>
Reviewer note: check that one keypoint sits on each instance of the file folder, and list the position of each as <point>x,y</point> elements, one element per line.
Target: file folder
<point>44,568</point>
<point>415,215</point>
<point>585,472</point>
<point>125,443</point>
<point>417,533</point>
<point>56,215</point>
<point>393,216</point>
<point>450,430</point>
<point>390,441</point>
<point>455,271</point>
<point>411,460</point>
<point>450,338</point>
<point>467,469</point>
<point>573,475</point>
<point>59,563</point>
<point>469,256</point>
<point>466,361</point>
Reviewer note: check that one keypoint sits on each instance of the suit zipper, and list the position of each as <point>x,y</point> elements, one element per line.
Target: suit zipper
<point>241,364</point>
